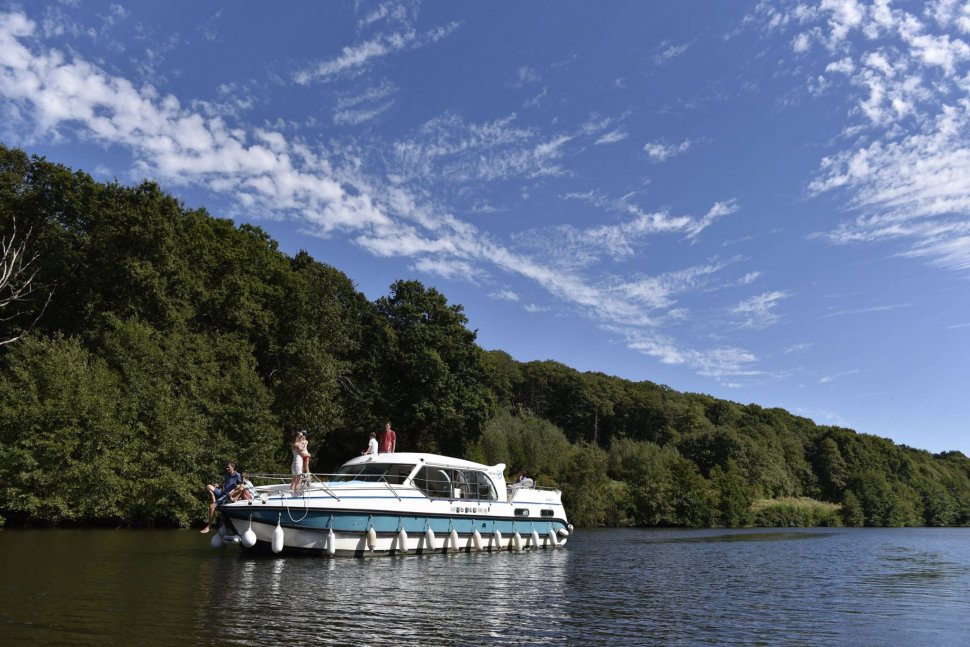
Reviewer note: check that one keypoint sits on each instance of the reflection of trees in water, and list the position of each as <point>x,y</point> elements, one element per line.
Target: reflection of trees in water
<point>437,599</point>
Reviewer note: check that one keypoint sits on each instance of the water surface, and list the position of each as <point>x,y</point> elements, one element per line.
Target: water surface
<point>723,587</point>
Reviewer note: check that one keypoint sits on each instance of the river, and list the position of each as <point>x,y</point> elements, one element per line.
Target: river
<point>628,586</point>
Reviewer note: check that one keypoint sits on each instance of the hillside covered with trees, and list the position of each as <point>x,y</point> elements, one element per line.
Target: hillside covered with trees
<point>143,343</point>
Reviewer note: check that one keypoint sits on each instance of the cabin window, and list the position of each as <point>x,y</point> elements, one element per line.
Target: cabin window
<point>480,487</point>
<point>433,481</point>
<point>521,512</point>
<point>548,513</point>
<point>449,483</point>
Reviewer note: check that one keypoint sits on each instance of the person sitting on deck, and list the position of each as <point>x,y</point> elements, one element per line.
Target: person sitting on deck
<point>218,495</point>
<point>244,490</point>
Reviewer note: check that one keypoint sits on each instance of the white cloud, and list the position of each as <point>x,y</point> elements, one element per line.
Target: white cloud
<point>669,51</point>
<point>904,168</point>
<point>612,137</point>
<point>528,74</point>
<point>571,246</point>
<point>332,190</point>
<point>719,210</point>
<point>384,11</point>
<point>859,311</point>
<point>759,312</point>
<point>357,57</point>
<point>838,376</point>
<point>721,362</point>
<point>447,268</point>
<point>505,294</point>
<point>355,109</point>
<point>660,152</point>
<point>449,148</point>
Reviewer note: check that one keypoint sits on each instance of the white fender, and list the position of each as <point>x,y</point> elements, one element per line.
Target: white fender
<point>249,537</point>
<point>231,539</point>
<point>553,542</point>
<point>563,532</point>
<point>498,539</point>
<point>331,543</point>
<point>516,541</point>
<point>402,541</point>
<point>216,541</point>
<point>371,538</point>
<point>454,539</point>
<point>477,540</point>
<point>277,538</point>
<point>535,540</point>
<point>429,538</point>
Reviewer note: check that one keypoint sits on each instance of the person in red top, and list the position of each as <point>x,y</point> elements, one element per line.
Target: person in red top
<point>388,440</point>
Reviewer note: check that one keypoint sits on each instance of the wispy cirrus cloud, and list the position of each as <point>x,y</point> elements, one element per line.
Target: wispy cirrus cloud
<point>871,309</point>
<point>905,164</point>
<point>505,294</point>
<point>660,152</point>
<point>722,362</point>
<point>622,239</point>
<point>760,311</point>
<point>612,137</point>
<point>827,379</point>
<point>358,108</point>
<point>337,190</point>
<point>356,58</point>
<point>667,51</point>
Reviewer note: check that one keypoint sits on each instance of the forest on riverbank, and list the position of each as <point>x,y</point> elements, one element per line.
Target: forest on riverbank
<point>154,341</point>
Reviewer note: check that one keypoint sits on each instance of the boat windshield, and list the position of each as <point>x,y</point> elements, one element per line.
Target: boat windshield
<point>395,474</point>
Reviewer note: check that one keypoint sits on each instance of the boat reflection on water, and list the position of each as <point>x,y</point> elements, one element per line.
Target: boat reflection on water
<point>439,599</point>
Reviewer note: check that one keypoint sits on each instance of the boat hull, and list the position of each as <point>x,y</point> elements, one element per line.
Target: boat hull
<point>310,530</point>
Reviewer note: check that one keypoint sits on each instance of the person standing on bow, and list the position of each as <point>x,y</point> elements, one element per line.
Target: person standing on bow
<point>297,448</point>
<point>388,439</point>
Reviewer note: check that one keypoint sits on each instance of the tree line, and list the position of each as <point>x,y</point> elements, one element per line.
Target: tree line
<point>157,341</point>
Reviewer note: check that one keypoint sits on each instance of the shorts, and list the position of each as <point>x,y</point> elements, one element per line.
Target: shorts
<point>297,467</point>
<point>221,496</point>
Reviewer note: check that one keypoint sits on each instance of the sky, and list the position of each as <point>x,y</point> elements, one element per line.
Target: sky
<point>767,202</point>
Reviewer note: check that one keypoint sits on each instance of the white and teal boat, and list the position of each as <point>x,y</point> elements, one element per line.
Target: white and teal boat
<point>398,503</point>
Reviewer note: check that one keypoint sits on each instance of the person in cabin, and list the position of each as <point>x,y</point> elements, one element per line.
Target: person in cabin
<point>522,476</point>
<point>218,495</point>
<point>371,446</point>
<point>297,448</point>
<point>388,439</point>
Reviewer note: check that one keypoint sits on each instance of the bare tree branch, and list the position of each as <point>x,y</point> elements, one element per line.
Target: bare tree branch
<point>17,280</point>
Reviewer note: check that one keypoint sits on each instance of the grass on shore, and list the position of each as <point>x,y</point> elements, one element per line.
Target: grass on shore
<point>795,512</point>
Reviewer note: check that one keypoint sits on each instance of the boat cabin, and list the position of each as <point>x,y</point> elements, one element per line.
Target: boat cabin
<point>436,476</point>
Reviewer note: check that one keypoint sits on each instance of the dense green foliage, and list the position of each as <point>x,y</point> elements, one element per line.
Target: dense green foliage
<point>174,341</point>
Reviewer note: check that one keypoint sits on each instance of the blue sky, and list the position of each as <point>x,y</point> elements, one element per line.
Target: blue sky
<point>767,202</point>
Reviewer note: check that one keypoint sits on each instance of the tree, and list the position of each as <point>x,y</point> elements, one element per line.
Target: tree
<point>432,377</point>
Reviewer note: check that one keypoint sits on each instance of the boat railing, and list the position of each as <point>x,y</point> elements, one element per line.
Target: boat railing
<point>334,485</point>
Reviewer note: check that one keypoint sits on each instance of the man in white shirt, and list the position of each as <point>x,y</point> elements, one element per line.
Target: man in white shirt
<point>371,445</point>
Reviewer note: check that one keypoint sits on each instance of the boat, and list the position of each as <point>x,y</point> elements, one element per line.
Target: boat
<point>394,504</point>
